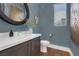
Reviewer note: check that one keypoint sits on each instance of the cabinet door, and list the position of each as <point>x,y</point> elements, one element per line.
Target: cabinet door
<point>3,54</point>
<point>18,50</point>
<point>21,50</point>
<point>35,47</point>
<point>29,48</point>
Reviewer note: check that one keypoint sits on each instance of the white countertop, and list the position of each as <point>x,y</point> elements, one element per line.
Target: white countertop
<point>7,42</point>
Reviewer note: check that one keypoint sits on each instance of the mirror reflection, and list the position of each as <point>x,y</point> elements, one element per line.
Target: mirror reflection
<point>14,11</point>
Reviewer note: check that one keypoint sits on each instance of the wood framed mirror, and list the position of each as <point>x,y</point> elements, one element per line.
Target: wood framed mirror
<point>14,13</point>
<point>75,23</point>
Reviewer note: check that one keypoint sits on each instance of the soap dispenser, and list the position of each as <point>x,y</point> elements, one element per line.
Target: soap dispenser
<point>11,33</point>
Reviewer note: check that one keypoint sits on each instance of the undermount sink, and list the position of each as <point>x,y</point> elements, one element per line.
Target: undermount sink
<point>15,35</point>
<point>18,38</point>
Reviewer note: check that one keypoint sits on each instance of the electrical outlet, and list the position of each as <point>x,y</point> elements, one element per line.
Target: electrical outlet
<point>50,35</point>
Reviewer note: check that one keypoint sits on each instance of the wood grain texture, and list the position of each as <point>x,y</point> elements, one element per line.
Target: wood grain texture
<point>75,36</point>
<point>75,23</point>
<point>55,52</point>
<point>28,48</point>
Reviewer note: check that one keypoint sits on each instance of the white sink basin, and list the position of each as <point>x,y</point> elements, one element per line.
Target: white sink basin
<point>7,41</point>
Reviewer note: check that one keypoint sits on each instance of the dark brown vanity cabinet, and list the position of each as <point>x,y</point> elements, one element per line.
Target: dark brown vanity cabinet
<point>28,48</point>
<point>35,47</point>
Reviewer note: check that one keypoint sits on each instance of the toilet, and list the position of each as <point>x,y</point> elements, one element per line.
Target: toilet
<point>44,45</point>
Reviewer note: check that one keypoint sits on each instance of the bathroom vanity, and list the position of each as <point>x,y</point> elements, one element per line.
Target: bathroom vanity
<point>20,46</point>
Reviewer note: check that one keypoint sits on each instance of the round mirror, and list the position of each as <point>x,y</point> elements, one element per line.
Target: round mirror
<point>14,13</point>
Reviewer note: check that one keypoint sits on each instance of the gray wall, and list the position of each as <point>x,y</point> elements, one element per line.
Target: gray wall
<point>5,27</point>
<point>61,35</point>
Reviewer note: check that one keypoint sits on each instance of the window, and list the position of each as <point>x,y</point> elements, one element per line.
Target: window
<point>60,15</point>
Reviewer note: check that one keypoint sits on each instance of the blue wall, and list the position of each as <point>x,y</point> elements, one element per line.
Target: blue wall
<point>45,13</point>
<point>61,35</point>
<point>34,11</point>
<point>5,27</point>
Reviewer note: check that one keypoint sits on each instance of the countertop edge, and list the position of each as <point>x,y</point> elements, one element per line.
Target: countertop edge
<point>18,42</point>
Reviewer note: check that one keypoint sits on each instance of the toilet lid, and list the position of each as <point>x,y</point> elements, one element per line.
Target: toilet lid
<point>44,42</point>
